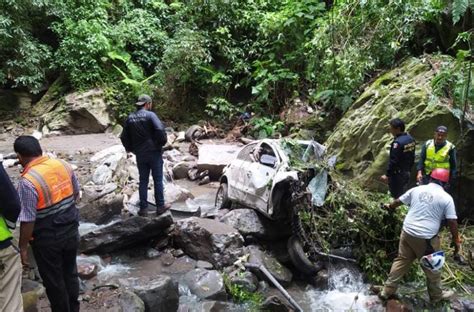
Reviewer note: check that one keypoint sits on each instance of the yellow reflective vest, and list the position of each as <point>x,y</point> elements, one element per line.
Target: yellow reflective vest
<point>4,230</point>
<point>439,159</point>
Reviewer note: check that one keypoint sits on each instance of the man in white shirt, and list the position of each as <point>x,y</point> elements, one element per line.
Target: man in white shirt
<point>429,206</point>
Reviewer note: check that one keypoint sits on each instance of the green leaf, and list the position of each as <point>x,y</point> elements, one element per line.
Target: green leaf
<point>459,8</point>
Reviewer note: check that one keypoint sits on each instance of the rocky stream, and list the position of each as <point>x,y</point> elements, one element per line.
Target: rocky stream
<point>183,260</point>
<point>194,257</point>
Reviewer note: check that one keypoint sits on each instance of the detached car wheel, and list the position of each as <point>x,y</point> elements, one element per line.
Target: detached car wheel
<point>222,199</point>
<point>299,259</point>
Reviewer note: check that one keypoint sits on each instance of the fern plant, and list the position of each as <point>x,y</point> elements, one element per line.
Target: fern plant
<point>460,7</point>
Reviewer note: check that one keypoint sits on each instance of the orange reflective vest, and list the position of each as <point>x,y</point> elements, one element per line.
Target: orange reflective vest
<point>52,179</point>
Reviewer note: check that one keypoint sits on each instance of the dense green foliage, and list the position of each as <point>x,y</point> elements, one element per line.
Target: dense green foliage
<point>220,56</point>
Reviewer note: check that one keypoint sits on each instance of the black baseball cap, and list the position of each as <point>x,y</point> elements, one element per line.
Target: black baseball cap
<point>143,99</point>
<point>442,129</point>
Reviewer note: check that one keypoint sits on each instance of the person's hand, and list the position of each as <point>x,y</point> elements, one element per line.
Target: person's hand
<point>384,178</point>
<point>419,177</point>
<point>24,257</point>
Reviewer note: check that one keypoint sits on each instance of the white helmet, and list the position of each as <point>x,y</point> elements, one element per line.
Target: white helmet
<point>433,262</point>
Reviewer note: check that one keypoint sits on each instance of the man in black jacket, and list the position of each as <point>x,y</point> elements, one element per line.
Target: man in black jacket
<point>144,135</point>
<point>402,158</point>
<point>10,265</point>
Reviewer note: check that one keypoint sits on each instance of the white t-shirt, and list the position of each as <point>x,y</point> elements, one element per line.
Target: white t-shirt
<point>429,205</point>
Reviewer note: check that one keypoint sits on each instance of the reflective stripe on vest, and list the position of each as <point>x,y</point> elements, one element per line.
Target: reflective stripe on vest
<point>438,159</point>
<point>4,229</point>
<point>52,181</point>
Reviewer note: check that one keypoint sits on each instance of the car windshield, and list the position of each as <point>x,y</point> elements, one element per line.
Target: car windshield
<point>302,154</point>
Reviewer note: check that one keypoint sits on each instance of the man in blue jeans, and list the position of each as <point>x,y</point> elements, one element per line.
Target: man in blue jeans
<point>144,135</point>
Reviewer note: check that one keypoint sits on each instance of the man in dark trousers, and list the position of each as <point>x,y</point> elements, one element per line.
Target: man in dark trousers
<point>10,266</point>
<point>48,190</point>
<point>144,135</point>
<point>402,157</point>
<point>437,153</point>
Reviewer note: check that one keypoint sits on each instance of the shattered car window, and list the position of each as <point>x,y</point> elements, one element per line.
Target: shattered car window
<point>303,154</point>
<point>245,153</point>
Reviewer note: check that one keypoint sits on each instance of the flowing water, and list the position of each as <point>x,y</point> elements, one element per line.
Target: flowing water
<point>346,292</point>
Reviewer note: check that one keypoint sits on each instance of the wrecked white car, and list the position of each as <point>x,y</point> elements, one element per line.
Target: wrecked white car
<point>260,176</point>
<point>284,180</point>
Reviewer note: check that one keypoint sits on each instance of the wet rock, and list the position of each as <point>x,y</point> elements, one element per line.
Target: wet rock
<point>174,193</point>
<point>130,302</point>
<point>102,175</point>
<point>152,253</point>
<point>249,222</point>
<point>167,259</point>
<point>180,170</point>
<point>101,156</point>
<point>81,112</point>
<point>275,304</point>
<point>125,233</point>
<point>219,306</point>
<point>173,156</point>
<point>111,299</point>
<point>247,280</point>
<point>321,280</point>
<point>205,180</point>
<point>260,257</point>
<point>180,266</point>
<point>180,137</point>
<point>160,294</point>
<point>93,192</point>
<point>31,291</point>
<point>10,156</point>
<point>162,243</point>
<point>206,284</point>
<point>215,157</point>
<point>102,210</point>
<point>87,271</point>
<point>8,163</point>
<point>177,253</point>
<point>209,240</point>
<point>204,265</point>
<point>193,174</point>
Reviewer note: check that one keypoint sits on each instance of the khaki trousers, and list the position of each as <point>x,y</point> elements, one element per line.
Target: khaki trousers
<point>410,249</point>
<point>10,280</point>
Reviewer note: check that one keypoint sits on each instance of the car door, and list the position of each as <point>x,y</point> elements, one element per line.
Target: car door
<point>259,176</point>
<point>237,175</point>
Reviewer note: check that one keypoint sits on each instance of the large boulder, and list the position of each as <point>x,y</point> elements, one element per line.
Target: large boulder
<point>361,140</point>
<point>249,223</point>
<point>79,112</point>
<point>259,257</point>
<point>159,294</point>
<point>101,210</point>
<point>209,240</point>
<point>215,157</point>
<point>206,284</point>
<point>111,299</point>
<point>125,233</point>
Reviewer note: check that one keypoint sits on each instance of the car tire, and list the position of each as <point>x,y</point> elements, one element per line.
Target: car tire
<point>222,198</point>
<point>194,132</point>
<point>299,259</point>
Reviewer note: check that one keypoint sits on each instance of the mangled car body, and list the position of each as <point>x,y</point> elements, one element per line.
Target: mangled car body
<point>261,175</point>
<point>284,180</point>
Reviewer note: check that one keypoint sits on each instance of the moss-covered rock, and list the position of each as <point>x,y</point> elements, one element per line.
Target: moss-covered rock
<point>80,112</point>
<point>361,139</point>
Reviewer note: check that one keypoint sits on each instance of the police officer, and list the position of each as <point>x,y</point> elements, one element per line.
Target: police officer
<point>437,153</point>
<point>402,157</point>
